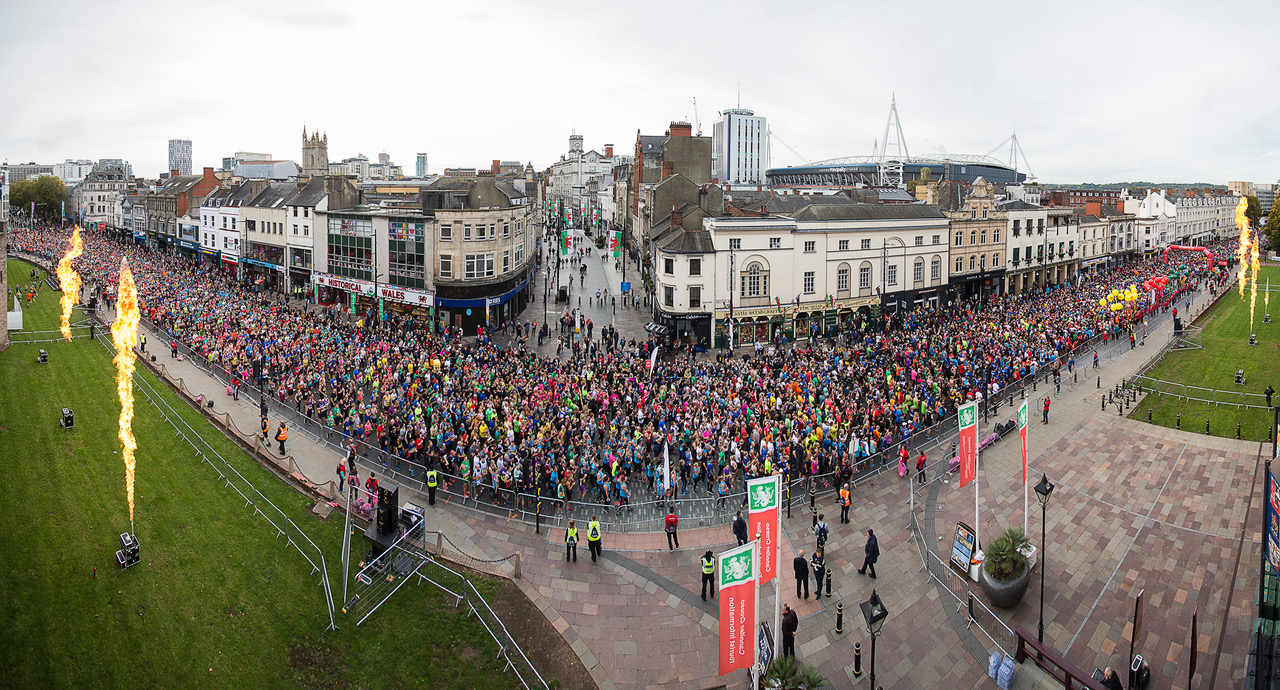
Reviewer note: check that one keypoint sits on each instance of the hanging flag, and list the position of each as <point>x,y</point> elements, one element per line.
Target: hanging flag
<point>738,599</point>
<point>1022,437</point>
<point>763,519</point>
<point>653,360</point>
<point>666,466</point>
<point>564,245</point>
<point>1271,515</point>
<point>617,243</point>
<point>968,414</point>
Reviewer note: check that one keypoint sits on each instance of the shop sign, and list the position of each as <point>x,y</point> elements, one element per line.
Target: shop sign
<point>407,296</point>
<point>351,285</point>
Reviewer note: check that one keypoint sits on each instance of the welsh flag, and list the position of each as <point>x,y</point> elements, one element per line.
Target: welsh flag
<point>564,244</point>
<point>616,244</point>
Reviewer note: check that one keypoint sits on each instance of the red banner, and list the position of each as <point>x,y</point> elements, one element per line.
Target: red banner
<point>968,413</point>
<point>763,496</point>
<point>738,570</point>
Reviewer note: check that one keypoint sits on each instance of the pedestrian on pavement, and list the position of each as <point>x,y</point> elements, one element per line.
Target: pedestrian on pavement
<point>1095,359</point>
<point>801,568</point>
<point>672,521</point>
<point>821,530</point>
<point>173,348</point>
<point>819,564</point>
<point>594,537</point>
<point>571,543</point>
<point>1269,392</point>
<point>1046,409</point>
<point>740,529</point>
<point>282,435</point>
<point>143,341</point>
<point>342,476</point>
<point>708,574</point>
<point>790,623</point>
<point>920,462</point>
<point>844,503</point>
<point>871,554</point>
<point>235,388</point>
<point>433,480</point>
<point>1110,680</point>
<point>266,427</point>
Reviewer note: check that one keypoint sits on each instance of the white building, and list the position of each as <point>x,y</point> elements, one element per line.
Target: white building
<point>420,168</point>
<point>1154,218</point>
<point>740,147</point>
<point>220,225</point>
<point>1041,246</point>
<point>72,172</point>
<point>180,156</point>
<point>794,276</point>
<point>575,171</point>
<point>99,197</point>
<point>1201,218</point>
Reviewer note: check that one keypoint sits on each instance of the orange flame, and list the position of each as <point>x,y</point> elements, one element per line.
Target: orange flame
<point>124,332</point>
<point>1242,253</point>
<point>1253,262</point>
<point>70,280</point>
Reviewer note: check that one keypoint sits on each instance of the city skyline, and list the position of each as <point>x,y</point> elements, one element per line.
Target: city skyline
<point>1093,96</point>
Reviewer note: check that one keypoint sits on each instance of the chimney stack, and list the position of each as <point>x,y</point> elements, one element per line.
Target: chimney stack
<point>668,168</point>
<point>677,218</point>
<point>1093,208</point>
<point>681,129</point>
<point>173,173</point>
<point>608,150</point>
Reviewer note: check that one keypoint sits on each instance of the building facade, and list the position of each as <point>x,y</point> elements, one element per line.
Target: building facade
<point>977,235</point>
<point>740,148</point>
<point>180,156</point>
<point>1041,246</point>
<point>99,197</point>
<point>420,166</point>
<point>569,177</point>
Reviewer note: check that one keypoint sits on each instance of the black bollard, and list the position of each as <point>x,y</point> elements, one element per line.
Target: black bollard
<point>1035,384</point>
<point>828,583</point>
<point>1237,431</point>
<point>1075,377</point>
<point>1206,427</point>
<point>1148,416</point>
<point>1104,403</point>
<point>840,618</point>
<point>537,514</point>
<point>1179,421</point>
<point>814,510</point>
<point>1099,382</point>
<point>857,659</point>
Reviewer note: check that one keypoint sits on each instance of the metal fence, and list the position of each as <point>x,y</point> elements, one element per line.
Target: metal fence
<point>1210,396</point>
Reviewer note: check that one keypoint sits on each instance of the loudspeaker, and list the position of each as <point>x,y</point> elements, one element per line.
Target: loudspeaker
<point>388,508</point>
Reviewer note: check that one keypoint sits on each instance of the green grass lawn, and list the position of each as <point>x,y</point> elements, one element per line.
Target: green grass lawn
<point>1226,350</point>
<point>217,600</point>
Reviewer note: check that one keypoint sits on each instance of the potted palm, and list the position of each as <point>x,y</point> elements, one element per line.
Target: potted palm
<point>785,673</point>
<point>1005,572</point>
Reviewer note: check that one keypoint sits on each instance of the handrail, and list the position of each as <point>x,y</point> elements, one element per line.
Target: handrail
<point>1052,662</point>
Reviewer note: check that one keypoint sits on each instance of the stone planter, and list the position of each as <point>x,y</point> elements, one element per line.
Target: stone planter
<point>1006,595</point>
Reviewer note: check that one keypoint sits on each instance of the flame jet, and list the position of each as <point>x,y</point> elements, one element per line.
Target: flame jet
<point>124,332</point>
<point>70,280</point>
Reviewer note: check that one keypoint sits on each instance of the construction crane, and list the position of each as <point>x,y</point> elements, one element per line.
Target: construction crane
<point>696,122</point>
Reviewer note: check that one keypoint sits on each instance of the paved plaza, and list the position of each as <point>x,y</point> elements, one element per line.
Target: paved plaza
<point>1136,507</point>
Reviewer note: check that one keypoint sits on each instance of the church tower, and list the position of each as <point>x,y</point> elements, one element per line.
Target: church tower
<point>315,154</point>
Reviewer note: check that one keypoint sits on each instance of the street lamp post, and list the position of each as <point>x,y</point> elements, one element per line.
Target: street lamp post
<point>875,613</point>
<point>1044,490</point>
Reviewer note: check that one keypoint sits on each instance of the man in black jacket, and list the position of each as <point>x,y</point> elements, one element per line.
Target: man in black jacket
<point>872,554</point>
<point>801,567</point>
<point>740,529</point>
<point>790,623</point>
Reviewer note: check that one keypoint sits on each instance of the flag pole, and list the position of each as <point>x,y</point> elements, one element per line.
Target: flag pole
<point>777,561</point>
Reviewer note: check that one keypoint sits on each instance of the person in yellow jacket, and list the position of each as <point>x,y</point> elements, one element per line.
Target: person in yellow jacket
<point>433,480</point>
<point>844,504</point>
<point>594,537</point>
<point>708,575</point>
<point>571,543</point>
<point>282,435</point>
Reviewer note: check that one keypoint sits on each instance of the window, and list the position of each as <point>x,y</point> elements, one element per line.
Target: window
<point>935,269</point>
<point>466,232</point>
<point>446,233</point>
<point>695,297</point>
<point>995,235</point>
<point>808,282</point>
<point>295,211</point>
<point>842,278</point>
<point>295,228</point>
<point>810,246</point>
<point>1017,224</point>
<point>479,266</point>
<point>973,237</point>
<point>1015,255</point>
<point>959,238</point>
<point>983,236</point>
<point>669,266</point>
<point>735,244</point>
<point>959,264</point>
<point>844,245</point>
<point>754,282</point>
<point>919,240</point>
<point>506,261</point>
<point>506,229</point>
<point>973,263</point>
<point>446,266</point>
<point>668,295</point>
<point>982,262</point>
<point>995,260</point>
<point>866,244</point>
<point>306,230</point>
<point>937,239</point>
<point>984,214</point>
<point>917,272</point>
<point>224,222</point>
<point>893,274</point>
<point>775,242</point>
<point>695,267</point>
<point>864,277</point>
<point>519,254</point>
<point>493,231</point>
<point>306,212</point>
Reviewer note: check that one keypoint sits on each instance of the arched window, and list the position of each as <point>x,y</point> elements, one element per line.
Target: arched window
<point>917,271</point>
<point>935,269</point>
<point>754,282</point>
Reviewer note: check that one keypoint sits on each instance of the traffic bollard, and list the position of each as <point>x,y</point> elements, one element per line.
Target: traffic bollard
<point>1237,430</point>
<point>1206,427</point>
<point>1179,422</point>
<point>840,618</point>
<point>1099,382</point>
<point>1104,403</point>
<point>828,583</point>
<point>857,659</point>
<point>814,510</point>
<point>1148,416</point>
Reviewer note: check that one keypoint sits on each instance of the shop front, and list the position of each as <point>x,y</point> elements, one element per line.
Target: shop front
<point>793,322</point>
<point>263,276</point>
<point>340,292</point>
<point>468,307</point>
<point>140,238</point>
<point>210,258</point>
<point>189,250</point>
<point>418,305</point>
<point>687,328</point>
<point>230,265</point>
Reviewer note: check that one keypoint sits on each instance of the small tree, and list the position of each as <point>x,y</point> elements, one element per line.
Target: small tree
<point>785,673</point>
<point>1273,227</point>
<point>1253,210</point>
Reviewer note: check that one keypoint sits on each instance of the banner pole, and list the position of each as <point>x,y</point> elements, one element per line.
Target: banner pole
<point>777,562</point>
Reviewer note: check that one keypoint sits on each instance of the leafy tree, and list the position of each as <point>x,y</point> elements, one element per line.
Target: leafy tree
<point>1253,210</point>
<point>47,191</point>
<point>1273,227</point>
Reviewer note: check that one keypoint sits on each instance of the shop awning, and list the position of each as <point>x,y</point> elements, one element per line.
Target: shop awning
<point>657,328</point>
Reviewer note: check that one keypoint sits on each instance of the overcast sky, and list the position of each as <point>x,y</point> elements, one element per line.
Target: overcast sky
<point>1097,91</point>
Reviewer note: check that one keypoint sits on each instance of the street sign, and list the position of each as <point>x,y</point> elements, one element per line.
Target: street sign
<point>626,286</point>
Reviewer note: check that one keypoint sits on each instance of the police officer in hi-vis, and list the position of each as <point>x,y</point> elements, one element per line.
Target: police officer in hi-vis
<point>433,479</point>
<point>708,575</point>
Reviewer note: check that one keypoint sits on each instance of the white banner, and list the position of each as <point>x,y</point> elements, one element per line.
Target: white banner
<point>407,296</point>
<point>349,284</point>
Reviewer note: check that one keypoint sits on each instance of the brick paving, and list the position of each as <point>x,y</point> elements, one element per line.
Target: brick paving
<point>1136,507</point>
